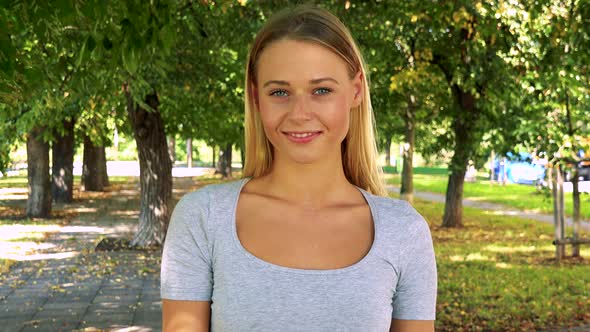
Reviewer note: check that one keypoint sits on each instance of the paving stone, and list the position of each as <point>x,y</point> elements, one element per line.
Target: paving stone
<point>28,292</point>
<point>50,325</point>
<point>120,291</point>
<point>64,305</point>
<point>142,315</point>
<point>107,320</point>
<point>71,294</point>
<point>150,297</point>
<point>112,307</point>
<point>61,315</point>
<point>17,312</point>
<point>24,302</point>
<point>69,299</point>
<point>126,299</point>
<point>11,324</point>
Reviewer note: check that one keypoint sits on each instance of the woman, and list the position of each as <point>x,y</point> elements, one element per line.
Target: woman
<point>306,241</point>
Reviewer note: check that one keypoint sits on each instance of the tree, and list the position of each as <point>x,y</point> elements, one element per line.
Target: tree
<point>94,172</point>
<point>154,160</point>
<point>39,199</point>
<point>473,45</point>
<point>559,90</point>
<point>62,171</point>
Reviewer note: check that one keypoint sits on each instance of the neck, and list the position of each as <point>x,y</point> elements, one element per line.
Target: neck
<point>308,185</point>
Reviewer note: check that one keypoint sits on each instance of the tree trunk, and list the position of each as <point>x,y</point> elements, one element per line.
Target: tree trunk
<point>155,171</point>
<point>242,153</point>
<point>189,153</point>
<point>465,141</point>
<point>93,167</point>
<point>556,185</point>
<point>228,157</point>
<point>388,152</point>
<point>39,199</point>
<point>560,230</point>
<point>224,162</point>
<point>407,188</point>
<point>576,221</point>
<point>172,149</point>
<point>576,191</point>
<point>102,166</point>
<point>213,164</point>
<point>63,165</point>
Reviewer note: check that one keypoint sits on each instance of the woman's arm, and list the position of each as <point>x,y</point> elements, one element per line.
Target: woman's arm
<point>180,316</point>
<point>399,325</point>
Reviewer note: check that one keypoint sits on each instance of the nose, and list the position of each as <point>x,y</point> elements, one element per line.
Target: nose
<point>300,109</point>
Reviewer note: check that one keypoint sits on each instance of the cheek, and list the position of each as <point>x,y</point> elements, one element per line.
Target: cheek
<point>269,118</point>
<point>339,112</point>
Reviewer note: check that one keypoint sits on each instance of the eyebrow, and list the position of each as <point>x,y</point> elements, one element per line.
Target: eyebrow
<point>316,81</point>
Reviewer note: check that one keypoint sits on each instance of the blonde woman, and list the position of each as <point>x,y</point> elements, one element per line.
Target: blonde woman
<point>308,240</point>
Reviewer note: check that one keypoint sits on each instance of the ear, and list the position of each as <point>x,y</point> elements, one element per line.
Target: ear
<point>357,83</point>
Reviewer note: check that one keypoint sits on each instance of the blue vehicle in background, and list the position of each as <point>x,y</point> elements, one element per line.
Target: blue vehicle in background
<point>522,168</point>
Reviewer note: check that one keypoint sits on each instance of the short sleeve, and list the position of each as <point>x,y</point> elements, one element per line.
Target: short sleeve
<point>186,271</point>
<point>415,295</point>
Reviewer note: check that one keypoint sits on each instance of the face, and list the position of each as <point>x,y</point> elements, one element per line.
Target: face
<point>305,95</point>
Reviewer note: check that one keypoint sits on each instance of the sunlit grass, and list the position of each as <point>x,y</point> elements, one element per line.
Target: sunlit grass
<point>499,273</point>
<point>522,197</point>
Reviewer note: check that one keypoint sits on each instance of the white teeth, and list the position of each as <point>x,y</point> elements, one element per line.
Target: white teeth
<point>301,135</point>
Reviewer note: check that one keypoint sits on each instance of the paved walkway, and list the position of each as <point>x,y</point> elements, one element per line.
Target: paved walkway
<point>67,286</point>
<point>494,208</point>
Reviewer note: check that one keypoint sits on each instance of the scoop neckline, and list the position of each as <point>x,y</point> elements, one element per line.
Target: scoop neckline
<point>276,267</point>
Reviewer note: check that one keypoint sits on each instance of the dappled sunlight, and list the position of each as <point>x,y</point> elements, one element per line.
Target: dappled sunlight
<point>156,210</point>
<point>472,257</point>
<point>128,213</point>
<point>11,194</point>
<point>506,212</point>
<point>128,192</point>
<point>38,256</point>
<point>11,191</point>
<point>22,247</point>
<point>81,229</point>
<point>83,209</point>
<point>502,249</point>
<point>31,248</point>
<point>30,251</point>
<point>517,249</point>
<point>478,199</point>
<point>88,195</point>
<point>12,232</point>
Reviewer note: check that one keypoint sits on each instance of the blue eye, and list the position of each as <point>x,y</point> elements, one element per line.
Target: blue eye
<point>322,91</point>
<point>278,93</point>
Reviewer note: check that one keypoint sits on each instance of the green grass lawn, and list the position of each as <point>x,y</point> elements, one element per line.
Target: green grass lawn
<point>498,273</point>
<point>523,197</point>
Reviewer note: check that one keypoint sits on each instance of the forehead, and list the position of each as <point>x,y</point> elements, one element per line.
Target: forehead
<point>294,60</point>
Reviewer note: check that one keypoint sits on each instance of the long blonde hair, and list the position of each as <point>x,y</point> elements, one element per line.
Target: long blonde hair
<point>359,150</point>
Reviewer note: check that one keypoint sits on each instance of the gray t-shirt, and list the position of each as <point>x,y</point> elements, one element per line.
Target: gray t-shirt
<point>203,260</point>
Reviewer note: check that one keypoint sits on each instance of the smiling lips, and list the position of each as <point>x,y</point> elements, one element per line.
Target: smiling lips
<point>301,136</point>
